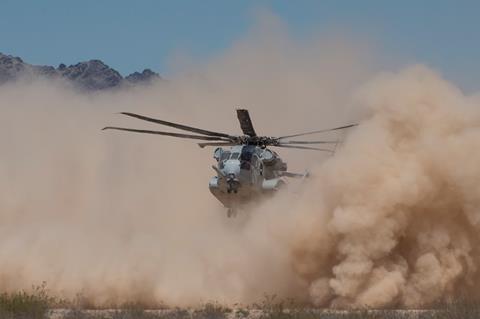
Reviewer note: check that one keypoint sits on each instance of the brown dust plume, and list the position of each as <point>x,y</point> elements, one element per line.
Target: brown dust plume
<point>391,219</point>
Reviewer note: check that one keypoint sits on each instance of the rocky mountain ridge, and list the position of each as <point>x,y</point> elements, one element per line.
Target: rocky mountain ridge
<point>92,75</point>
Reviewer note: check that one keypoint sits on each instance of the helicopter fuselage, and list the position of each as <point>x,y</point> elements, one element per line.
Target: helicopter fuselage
<point>246,169</point>
<point>245,172</point>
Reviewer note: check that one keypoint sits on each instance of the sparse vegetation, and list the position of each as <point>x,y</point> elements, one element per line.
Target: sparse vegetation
<point>25,305</point>
<point>211,311</point>
<point>36,304</point>
<point>241,313</point>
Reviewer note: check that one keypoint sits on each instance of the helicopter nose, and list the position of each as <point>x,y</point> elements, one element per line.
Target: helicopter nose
<point>232,168</point>
<point>232,171</point>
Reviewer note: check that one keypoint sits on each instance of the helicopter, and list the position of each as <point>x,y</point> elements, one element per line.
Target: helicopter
<point>246,168</point>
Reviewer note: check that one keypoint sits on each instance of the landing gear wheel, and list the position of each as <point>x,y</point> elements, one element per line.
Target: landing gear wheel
<point>231,212</point>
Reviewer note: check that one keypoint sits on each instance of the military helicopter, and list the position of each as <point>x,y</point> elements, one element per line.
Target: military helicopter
<point>246,168</point>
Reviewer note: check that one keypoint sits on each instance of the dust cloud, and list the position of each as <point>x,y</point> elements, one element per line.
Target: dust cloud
<point>391,219</point>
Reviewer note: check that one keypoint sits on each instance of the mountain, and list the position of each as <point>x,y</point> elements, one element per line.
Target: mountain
<point>146,76</point>
<point>93,75</point>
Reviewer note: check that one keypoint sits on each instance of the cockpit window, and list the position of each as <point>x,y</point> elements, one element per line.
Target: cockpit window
<point>235,156</point>
<point>225,156</point>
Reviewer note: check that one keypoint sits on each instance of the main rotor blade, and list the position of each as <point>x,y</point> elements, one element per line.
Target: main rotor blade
<point>195,137</point>
<point>245,122</point>
<point>177,126</point>
<point>319,131</point>
<point>202,145</point>
<point>310,142</point>
<point>304,148</point>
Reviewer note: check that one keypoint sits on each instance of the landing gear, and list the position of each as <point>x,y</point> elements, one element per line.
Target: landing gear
<point>231,212</point>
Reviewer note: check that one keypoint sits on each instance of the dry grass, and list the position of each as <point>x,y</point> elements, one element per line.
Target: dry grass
<point>37,305</point>
<point>25,305</point>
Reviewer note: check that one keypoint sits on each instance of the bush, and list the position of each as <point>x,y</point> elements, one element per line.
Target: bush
<point>211,311</point>
<point>23,305</point>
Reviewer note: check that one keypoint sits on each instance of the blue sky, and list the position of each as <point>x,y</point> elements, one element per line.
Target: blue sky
<point>133,35</point>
